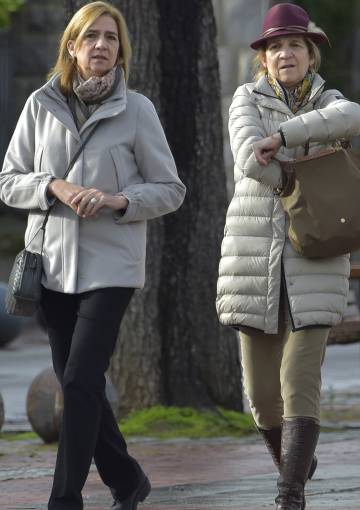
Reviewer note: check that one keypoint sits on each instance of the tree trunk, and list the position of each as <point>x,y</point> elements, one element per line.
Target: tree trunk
<point>136,364</point>
<point>171,348</point>
<point>200,362</point>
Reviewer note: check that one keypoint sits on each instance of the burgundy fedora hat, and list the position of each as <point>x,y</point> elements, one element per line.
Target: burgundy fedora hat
<point>288,19</point>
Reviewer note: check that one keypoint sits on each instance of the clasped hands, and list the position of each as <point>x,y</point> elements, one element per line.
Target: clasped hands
<point>85,202</point>
<point>267,148</point>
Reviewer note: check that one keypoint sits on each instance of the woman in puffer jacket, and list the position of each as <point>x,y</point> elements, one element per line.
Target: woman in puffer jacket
<point>283,304</point>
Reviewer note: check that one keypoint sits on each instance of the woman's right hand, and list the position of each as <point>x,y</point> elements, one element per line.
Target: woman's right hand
<point>267,148</point>
<point>64,191</point>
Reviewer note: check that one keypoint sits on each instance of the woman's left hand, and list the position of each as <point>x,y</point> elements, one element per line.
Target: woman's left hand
<point>267,148</point>
<point>89,202</point>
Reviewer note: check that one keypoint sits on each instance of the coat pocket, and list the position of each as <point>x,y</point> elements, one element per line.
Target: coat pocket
<point>99,171</point>
<point>119,167</point>
<point>38,158</point>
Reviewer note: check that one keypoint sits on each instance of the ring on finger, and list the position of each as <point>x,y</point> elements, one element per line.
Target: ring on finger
<point>93,201</point>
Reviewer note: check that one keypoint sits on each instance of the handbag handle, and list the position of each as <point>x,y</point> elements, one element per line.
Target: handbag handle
<point>288,178</point>
<point>288,170</point>
<point>71,164</point>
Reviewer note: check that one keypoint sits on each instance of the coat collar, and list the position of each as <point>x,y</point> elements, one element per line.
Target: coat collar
<point>264,95</point>
<point>55,102</point>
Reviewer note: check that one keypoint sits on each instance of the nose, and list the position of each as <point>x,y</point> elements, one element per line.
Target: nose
<point>100,42</point>
<point>286,53</point>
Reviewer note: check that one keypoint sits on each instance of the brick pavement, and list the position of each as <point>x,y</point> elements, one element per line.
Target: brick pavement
<point>192,475</point>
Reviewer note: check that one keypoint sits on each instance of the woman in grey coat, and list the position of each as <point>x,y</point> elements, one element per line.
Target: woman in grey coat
<point>282,303</point>
<point>95,239</point>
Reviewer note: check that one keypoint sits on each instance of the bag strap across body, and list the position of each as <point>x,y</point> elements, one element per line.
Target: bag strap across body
<point>71,164</point>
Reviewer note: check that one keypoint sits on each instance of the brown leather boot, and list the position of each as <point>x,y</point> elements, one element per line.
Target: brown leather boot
<point>272,440</point>
<point>298,442</point>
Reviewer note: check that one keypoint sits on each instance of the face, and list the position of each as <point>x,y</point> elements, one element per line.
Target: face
<point>287,59</point>
<point>98,51</point>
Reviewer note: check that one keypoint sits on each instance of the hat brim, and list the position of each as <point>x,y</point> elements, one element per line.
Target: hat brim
<point>315,36</point>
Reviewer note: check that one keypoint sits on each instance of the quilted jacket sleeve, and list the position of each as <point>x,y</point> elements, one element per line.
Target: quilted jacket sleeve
<point>246,128</point>
<point>334,118</point>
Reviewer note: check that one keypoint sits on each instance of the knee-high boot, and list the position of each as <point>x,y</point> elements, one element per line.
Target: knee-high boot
<point>298,442</point>
<point>272,440</point>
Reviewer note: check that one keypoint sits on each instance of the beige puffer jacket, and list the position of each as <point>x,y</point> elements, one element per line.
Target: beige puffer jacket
<point>255,247</point>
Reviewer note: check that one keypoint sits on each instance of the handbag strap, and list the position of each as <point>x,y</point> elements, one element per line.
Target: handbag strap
<point>79,151</point>
<point>307,144</point>
<point>307,147</point>
<point>71,164</point>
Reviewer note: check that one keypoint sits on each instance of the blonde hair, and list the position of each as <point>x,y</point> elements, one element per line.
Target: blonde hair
<point>75,31</point>
<point>259,70</point>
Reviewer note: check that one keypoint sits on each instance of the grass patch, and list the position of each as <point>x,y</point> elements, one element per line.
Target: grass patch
<point>18,436</point>
<point>341,415</point>
<point>173,422</point>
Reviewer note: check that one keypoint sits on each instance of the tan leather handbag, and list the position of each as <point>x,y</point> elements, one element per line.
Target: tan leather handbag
<point>322,199</point>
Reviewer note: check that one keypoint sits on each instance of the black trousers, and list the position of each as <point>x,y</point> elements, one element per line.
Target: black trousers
<point>82,330</point>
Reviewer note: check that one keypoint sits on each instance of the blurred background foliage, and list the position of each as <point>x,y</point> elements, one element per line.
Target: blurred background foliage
<point>341,23</point>
<point>7,7</point>
<point>11,226</point>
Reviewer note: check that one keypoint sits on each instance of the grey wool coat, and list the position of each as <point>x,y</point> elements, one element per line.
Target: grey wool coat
<point>127,154</point>
<point>256,253</point>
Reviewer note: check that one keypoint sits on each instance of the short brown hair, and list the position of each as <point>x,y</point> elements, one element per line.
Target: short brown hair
<point>75,31</point>
<point>259,70</point>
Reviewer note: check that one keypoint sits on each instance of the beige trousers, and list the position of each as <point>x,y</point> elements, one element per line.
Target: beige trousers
<point>282,373</point>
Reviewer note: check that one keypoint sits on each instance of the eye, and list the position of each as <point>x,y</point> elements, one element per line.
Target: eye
<point>89,35</point>
<point>297,44</point>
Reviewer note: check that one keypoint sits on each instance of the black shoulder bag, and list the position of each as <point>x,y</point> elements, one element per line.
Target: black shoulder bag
<point>24,288</point>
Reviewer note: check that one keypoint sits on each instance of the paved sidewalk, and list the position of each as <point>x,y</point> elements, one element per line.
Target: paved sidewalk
<point>188,475</point>
<point>192,474</point>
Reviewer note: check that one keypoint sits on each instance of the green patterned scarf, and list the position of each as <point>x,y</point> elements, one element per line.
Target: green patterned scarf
<point>294,98</point>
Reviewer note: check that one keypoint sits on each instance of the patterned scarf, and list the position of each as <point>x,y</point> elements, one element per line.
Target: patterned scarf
<point>88,94</point>
<point>294,98</point>
<point>96,88</point>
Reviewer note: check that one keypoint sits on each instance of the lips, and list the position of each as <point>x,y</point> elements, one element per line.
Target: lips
<point>289,66</point>
<point>99,57</point>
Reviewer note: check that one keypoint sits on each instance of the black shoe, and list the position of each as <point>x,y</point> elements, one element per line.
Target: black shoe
<point>137,496</point>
